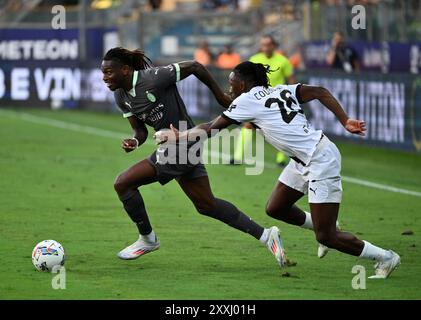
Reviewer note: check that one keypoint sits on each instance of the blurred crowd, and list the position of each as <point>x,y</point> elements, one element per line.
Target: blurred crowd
<point>229,4</point>
<point>218,4</point>
<point>228,58</point>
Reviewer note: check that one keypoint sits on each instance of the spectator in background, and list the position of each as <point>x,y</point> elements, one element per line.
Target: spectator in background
<point>209,4</point>
<point>228,59</point>
<point>282,73</point>
<point>341,56</point>
<point>296,58</point>
<point>203,54</point>
<point>155,4</point>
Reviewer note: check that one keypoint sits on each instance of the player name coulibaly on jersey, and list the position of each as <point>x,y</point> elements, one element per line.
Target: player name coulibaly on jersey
<point>154,98</point>
<point>278,114</point>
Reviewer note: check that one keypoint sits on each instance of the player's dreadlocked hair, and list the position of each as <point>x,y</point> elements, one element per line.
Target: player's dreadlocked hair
<point>133,58</point>
<point>254,73</point>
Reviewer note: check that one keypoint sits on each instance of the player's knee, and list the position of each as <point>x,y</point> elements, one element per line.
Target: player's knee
<point>270,210</point>
<point>205,207</point>
<point>327,239</point>
<point>120,186</point>
<point>275,211</point>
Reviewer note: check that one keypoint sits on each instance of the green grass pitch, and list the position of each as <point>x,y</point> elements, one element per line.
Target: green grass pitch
<point>57,184</point>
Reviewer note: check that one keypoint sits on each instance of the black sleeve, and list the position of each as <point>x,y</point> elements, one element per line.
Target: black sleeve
<point>166,76</point>
<point>121,104</point>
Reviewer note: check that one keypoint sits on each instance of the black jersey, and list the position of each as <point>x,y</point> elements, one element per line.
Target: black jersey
<point>154,98</point>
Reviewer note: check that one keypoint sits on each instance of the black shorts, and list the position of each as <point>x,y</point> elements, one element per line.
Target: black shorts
<point>166,172</point>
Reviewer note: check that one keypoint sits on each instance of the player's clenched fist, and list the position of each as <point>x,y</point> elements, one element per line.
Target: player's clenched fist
<point>129,144</point>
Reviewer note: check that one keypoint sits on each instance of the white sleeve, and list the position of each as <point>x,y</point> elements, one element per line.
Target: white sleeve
<point>238,112</point>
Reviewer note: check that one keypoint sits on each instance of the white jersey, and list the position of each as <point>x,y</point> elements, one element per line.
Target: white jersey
<point>277,112</point>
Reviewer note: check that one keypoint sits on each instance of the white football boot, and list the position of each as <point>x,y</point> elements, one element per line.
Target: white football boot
<point>274,244</point>
<point>323,250</point>
<point>385,268</point>
<point>139,248</point>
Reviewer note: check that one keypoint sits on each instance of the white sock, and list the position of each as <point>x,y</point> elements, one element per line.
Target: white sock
<point>308,224</point>
<point>372,252</point>
<point>151,237</point>
<point>265,236</point>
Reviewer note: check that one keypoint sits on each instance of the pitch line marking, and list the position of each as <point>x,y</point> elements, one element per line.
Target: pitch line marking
<point>120,135</point>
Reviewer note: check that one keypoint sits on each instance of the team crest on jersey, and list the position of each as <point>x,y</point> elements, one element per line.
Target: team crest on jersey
<point>150,96</point>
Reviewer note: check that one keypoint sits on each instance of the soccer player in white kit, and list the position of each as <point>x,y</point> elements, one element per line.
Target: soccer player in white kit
<point>315,164</point>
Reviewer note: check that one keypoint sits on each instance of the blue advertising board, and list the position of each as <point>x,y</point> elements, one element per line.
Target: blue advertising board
<point>43,66</point>
<point>385,57</point>
<point>389,104</point>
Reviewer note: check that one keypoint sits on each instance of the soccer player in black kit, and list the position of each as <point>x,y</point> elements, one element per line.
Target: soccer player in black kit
<point>148,95</point>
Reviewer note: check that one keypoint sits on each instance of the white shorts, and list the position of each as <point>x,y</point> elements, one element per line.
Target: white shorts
<point>321,178</point>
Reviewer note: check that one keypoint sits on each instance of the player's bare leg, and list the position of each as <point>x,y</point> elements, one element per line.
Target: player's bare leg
<point>126,186</point>
<point>324,216</point>
<point>199,192</point>
<point>281,206</point>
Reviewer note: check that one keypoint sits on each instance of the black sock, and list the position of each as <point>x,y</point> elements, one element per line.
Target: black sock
<point>228,213</point>
<point>135,208</point>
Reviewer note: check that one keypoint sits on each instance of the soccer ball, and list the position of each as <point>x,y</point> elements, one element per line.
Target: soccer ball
<point>47,254</point>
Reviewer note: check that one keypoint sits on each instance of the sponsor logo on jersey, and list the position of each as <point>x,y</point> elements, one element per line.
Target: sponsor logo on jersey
<point>154,115</point>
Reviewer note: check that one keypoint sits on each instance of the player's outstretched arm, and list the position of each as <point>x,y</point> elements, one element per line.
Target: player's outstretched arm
<point>207,129</point>
<point>188,68</point>
<point>139,137</point>
<point>307,93</point>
